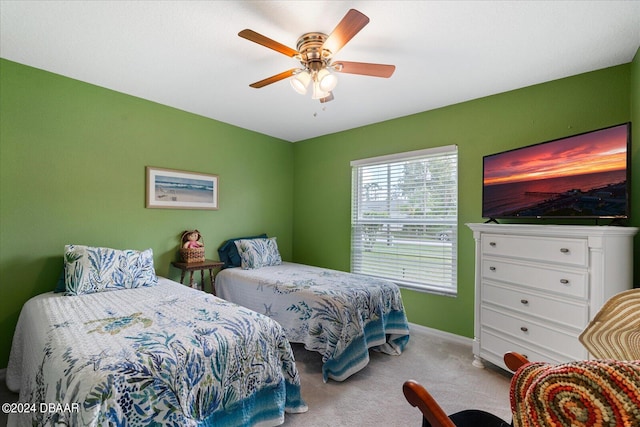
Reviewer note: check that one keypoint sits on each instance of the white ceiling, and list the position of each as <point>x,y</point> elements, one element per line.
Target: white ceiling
<point>186,54</point>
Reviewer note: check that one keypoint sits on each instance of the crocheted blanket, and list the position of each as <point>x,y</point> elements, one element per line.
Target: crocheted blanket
<point>577,394</point>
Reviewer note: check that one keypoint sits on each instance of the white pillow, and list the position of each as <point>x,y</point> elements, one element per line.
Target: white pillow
<point>89,269</point>
<point>256,253</point>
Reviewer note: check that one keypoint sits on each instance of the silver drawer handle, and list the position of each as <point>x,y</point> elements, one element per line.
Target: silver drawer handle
<point>564,250</point>
<point>524,301</point>
<point>492,268</point>
<point>524,328</point>
<point>564,281</point>
<point>492,244</point>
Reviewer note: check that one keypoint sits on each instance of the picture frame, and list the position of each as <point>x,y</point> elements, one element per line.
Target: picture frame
<point>176,189</point>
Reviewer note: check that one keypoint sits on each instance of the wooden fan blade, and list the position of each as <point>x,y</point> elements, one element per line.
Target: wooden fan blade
<point>375,70</point>
<point>267,42</point>
<point>273,79</point>
<point>350,25</point>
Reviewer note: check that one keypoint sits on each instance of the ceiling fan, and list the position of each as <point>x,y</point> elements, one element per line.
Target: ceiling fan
<point>315,52</point>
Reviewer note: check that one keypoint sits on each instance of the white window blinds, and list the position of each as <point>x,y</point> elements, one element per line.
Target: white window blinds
<point>404,218</point>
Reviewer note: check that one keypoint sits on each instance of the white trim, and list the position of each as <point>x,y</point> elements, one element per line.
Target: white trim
<point>406,155</point>
<point>441,334</point>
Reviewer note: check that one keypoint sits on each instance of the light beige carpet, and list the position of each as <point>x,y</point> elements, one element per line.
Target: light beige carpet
<point>373,396</point>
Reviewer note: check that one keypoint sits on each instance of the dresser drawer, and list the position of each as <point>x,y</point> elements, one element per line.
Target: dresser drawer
<point>573,314</point>
<point>495,345</point>
<point>538,335</point>
<point>573,283</point>
<point>546,249</point>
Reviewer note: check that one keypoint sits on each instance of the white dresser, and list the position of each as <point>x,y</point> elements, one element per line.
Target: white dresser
<point>537,286</point>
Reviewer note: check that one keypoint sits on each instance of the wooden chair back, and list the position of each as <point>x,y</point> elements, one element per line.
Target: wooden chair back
<point>419,397</point>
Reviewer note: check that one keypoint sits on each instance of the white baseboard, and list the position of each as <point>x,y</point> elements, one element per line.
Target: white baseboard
<point>442,334</point>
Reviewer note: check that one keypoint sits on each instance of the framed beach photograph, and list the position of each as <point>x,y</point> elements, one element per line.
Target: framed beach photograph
<point>174,189</point>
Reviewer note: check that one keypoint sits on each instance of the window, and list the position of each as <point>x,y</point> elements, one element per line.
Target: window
<point>404,218</point>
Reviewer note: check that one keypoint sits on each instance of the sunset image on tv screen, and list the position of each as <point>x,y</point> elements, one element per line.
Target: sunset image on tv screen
<point>583,175</point>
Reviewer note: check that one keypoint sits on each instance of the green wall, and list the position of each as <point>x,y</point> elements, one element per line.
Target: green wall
<point>321,231</point>
<point>72,170</point>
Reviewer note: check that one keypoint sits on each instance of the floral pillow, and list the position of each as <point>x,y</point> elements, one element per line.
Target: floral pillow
<point>256,253</point>
<point>88,269</point>
<point>228,252</point>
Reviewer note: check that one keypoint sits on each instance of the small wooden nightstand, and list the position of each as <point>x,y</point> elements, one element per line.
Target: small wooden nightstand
<point>199,266</point>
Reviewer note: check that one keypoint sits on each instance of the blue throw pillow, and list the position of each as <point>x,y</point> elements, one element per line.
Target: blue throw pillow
<point>60,286</point>
<point>228,252</point>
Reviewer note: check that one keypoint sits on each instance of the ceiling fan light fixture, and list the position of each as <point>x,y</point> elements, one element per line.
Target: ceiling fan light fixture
<point>300,81</point>
<point>327,98</point>
<point>326,80</point>
<point>318,93</point>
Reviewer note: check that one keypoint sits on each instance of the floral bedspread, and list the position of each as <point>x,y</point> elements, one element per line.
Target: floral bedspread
<point>340,315</point>
<point>161,355</point>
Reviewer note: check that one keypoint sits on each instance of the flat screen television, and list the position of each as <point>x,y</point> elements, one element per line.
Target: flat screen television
<point>585,175</point>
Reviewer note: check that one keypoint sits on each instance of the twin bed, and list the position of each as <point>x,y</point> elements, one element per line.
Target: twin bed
<point>120,346</point>
<point>337,314</point>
